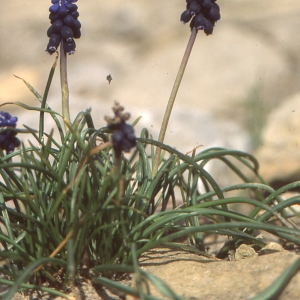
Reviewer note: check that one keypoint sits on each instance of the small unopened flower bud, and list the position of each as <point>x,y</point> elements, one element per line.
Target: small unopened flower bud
<point>63,11</point>
<point>67,34</point>
<point>200,21</point>
<point>195,8</point>
<point>54,42</point>
<point>54,8</point>
<point>209,27</point>
<point>53,17</point>
<point>55,27</point>
<point>69,47</point>
<point>71,7</point>
<point>207,4</point>
<point>69,20</point>
<point>186,16</point>
<point>75,14</point>
<point>214,13</point>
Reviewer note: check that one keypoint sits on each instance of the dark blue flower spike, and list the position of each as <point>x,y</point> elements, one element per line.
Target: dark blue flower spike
<point>8,139</point>
<point>123,137</point>
<point>65,26</point>
<point>202,14</point>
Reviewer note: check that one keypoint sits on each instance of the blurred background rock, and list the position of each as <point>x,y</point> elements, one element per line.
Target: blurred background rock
<point>234,82</point>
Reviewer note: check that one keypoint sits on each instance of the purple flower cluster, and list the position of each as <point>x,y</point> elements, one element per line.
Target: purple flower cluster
<point>65,26</point>
<point>8,139</point>
<point>123,137</point>
<point>203,14</point>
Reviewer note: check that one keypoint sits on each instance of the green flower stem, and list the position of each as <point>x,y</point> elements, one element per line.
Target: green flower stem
<point>176,85</point>
<point>64,85</point>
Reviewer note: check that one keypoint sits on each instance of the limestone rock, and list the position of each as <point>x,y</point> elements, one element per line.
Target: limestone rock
<point>271,248</point>
<point>279,154</point>
<point>245,252</point>
<point>195,277</point>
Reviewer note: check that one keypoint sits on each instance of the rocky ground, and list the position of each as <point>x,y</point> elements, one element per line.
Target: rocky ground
<point>196,277</point>
<point>240,91</point>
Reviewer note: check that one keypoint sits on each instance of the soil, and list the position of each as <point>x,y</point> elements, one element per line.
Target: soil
<point>198,277</point>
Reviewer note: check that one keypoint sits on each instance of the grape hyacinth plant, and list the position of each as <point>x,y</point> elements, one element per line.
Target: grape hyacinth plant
<point>202,14</point>
<point>76,212</point>
<point>65,27</point>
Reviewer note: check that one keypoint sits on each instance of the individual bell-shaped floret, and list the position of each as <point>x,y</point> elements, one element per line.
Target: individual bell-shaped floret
<point>55,27</point>
<point>77,25</point>
<point>69,47</point>
<point>53,17</point>
<point>200,22</point>
<point>194,8</point>
<point>207,4</point>
<point>75,14</point>
<point>209,27</point>
<point>67,34</point>
<point>7,120</point>
<point>71,7</point>
<point>53,44</point>
<point>214,13</point>
<point>63,11</point>
<point>69,21</point>
<point>186,16</point>
<point>54,8</point>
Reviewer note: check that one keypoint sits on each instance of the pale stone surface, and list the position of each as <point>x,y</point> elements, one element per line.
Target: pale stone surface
<point>195,277</point>
<point>245,252</point>
<point>271,248</point>
<point>279,153</point>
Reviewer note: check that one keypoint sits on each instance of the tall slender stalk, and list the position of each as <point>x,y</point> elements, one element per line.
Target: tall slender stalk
<point>64,85</point>
<point>171,101</point>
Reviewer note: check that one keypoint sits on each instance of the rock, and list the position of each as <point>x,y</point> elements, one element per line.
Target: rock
<point>271,248</point>
<point>196,277</point>
<point>244,252</point>
<point>279,151</point>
